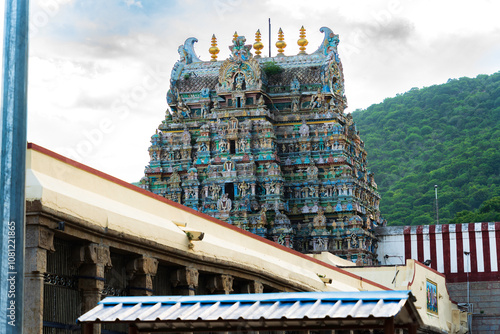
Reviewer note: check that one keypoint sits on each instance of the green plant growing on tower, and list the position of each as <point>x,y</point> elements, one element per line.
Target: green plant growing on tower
<point>271,68</point>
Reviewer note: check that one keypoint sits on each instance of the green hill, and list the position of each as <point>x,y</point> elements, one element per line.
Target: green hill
<point>446,135</point>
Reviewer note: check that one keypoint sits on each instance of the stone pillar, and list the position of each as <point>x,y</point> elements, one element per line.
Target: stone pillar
<point>92,261</point>
<point>142,270</point>
<point>39,240</point>
<point>185,281</point>
<point>220,284</point>
<point>253,287</point>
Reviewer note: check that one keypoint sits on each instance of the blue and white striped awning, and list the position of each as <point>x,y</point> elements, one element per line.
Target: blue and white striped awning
<point>274,311</point>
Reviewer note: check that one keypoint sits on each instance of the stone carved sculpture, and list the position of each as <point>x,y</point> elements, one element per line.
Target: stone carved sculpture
<point>304,129</point>
<point>224,204</point>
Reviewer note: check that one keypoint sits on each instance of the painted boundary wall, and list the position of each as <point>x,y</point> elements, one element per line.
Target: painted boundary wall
<point>457,251</point>
<point>472,277</point>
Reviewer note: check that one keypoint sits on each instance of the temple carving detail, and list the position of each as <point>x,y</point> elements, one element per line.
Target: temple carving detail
<point>263,143</point>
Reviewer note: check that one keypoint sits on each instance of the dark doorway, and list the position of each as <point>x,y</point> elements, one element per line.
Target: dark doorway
<point>232,146</point>
<point>229,190</point>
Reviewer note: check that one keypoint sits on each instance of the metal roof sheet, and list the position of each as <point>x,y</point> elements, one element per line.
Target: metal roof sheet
<point>268,310</point>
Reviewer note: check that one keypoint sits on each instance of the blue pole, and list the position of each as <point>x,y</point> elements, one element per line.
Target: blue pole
<point>12,166</point>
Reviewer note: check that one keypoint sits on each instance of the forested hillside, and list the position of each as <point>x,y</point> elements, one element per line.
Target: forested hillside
<point>446,135</point>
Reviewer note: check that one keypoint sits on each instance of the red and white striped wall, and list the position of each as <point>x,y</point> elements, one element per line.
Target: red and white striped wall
<point>446,246</point>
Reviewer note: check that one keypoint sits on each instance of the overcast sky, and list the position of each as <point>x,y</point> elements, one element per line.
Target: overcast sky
<point>99,69</point>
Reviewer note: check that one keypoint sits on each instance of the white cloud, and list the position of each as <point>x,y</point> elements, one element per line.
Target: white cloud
<point>133,3</point>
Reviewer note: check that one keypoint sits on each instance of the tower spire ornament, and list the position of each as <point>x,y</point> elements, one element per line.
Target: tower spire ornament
<point>280,44</point>
<point>258,44</point>
<point>235,36</point>
<point>214,50</point>
<point>302,42</point>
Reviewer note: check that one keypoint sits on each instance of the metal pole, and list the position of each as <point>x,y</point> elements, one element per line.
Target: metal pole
<point>12,166</point>
<point>269,37</point>
<point>437,207</point>
<point>468,286</point>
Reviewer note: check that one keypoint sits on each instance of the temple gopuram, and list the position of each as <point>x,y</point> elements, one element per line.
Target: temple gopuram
<point>263,143</point>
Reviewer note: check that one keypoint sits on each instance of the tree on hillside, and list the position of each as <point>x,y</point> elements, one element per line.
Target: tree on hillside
<point>489,211</point>
<point>444,134</point>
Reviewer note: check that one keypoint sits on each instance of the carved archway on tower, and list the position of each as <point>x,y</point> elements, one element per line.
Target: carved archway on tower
<point>233,73</point>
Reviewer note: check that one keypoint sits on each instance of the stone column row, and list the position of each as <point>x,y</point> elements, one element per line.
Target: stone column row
<point>92,261</point>
<point>186,280</point>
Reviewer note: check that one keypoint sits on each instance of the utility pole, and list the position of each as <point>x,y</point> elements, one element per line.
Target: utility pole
<point>12,165</point>
<point>437,207</point>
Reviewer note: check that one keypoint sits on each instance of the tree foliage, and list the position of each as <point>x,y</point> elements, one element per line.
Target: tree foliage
<point>489,211</point>
<point>446,135</point>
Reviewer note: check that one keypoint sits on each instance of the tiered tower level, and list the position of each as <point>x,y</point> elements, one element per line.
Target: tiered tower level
<point>264,144</point>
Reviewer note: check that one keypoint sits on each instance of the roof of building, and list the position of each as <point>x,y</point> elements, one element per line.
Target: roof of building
<point>106,203</point>
<point>306,68</point>
<point>269,311</point>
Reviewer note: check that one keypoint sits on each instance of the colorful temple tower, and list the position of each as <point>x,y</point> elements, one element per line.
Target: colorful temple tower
<point>264,144</point>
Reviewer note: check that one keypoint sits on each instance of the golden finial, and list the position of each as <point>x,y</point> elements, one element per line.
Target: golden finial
<point>302,42</point>
<point>235,36</point>
<point>214,50</point>
<point>257,45</point>
<point>280,44</point>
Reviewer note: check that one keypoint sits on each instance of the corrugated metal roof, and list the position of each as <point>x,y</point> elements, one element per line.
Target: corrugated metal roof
<point>275,310</point>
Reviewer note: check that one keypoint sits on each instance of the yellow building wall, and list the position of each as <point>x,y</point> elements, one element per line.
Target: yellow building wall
<point>414,277</point>
<point>67,187</point>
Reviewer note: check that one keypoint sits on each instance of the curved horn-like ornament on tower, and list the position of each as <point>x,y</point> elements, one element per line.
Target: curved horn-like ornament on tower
<point>330,41</point>
<point>189,47</point>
